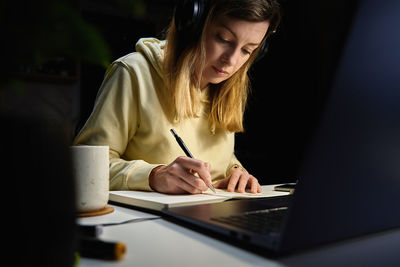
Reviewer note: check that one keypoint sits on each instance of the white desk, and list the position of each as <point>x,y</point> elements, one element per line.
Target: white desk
<point>162,243</point>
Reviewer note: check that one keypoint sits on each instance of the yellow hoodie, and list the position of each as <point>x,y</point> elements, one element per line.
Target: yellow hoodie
<point>129,116</point>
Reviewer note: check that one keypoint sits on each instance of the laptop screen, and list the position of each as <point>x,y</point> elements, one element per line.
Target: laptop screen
<point>351,175</point>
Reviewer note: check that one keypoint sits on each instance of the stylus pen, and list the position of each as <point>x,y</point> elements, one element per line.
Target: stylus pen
<point>187,152</point>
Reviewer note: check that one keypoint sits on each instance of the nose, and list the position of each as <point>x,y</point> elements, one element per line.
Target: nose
<point>230,56</point>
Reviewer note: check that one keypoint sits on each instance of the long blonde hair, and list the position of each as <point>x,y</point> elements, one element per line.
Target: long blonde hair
<point>227,100</point>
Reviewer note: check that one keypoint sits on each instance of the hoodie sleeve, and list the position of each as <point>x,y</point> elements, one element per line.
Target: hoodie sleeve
<point>113,122</point>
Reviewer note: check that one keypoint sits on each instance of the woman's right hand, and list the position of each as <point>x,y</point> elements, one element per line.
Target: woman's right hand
<point>180,177</point>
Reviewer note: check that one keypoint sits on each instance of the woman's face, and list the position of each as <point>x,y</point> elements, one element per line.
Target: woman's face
<point>229,44</point>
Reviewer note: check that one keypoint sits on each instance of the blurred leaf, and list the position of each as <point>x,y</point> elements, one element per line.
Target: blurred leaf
<point>37,31</point>
<point>40,30</point>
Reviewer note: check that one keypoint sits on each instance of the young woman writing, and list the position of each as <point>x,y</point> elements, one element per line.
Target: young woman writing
<point>194,82</point>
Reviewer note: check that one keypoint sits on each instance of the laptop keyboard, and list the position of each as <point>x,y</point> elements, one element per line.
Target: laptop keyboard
<point>259,221</point>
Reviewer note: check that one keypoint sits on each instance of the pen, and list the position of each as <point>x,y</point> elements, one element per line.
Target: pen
<point>187,152</point>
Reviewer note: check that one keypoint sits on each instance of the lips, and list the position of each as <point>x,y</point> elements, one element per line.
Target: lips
<point>220,72</point>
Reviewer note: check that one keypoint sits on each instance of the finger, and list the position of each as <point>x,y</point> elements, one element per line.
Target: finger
<point>222,184</point>
<point>186,187</point>
<point>225,182</point>
<point>233,181</point>
<point>185,180</point>
<point>188,177</point>
<point>200,167</point>
<point>208,166</point>
<point>259,188</point>
<point>176,169</point>
<point>244,179</point>
<point>194,181</point>
<point>254,185</point>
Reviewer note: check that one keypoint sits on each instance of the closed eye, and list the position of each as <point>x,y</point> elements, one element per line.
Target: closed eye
<point>222,40</point>
<point>246,52</point>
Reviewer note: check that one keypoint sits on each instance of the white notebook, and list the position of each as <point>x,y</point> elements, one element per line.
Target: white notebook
<point>158,201</point>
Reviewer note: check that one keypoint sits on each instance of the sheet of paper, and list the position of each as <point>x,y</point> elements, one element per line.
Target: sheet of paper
<point>168,199</point>
<point>267,191</point>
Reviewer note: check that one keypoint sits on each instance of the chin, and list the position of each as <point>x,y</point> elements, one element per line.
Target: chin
<point>217,81</point>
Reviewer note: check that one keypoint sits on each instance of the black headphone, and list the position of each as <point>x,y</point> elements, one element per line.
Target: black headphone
<point>190,16</point>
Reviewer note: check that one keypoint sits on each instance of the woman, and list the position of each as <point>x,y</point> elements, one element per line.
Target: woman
<point>194,82</point>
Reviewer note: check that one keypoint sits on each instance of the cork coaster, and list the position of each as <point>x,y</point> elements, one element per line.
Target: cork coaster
<point>105,210</point>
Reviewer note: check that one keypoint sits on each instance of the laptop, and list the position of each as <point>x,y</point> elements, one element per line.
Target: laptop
<point>349,182</point>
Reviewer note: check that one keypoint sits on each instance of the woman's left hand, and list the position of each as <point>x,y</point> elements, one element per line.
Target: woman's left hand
<point>241,180</point>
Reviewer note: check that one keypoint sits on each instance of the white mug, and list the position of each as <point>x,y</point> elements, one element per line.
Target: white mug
<point>90,165</point>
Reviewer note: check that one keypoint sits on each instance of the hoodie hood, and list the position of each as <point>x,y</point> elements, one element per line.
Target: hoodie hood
<point>153,51</point>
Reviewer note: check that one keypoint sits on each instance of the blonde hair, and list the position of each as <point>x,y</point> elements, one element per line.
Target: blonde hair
<point>227,100</point>
<point>181,79</point>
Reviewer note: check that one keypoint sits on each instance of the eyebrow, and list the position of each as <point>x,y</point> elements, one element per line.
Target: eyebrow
<point>231,31</point>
